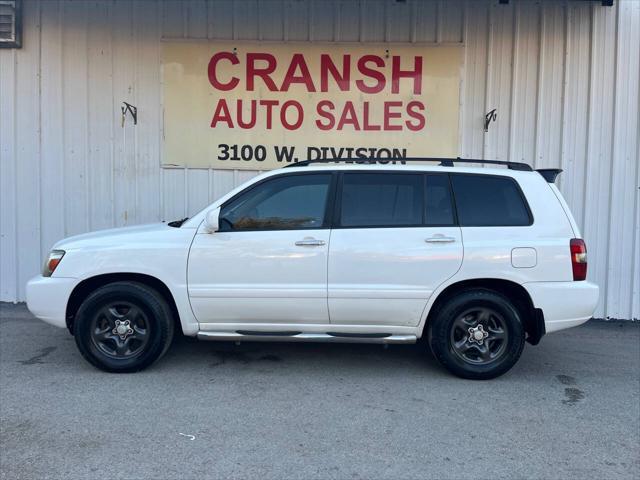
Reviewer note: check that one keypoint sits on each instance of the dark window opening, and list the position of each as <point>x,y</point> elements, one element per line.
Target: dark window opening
<point>291,202</point>
<point>381,200</point>
<point>439,206</point>
<point>10,23</point>
<point>489,201</point>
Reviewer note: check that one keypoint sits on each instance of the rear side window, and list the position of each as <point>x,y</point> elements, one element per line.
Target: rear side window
<point>439,207</point>
<point>381,200</point>
<point>487,201</point>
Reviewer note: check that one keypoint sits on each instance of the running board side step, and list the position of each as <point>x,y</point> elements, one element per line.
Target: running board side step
<point>305,337</point>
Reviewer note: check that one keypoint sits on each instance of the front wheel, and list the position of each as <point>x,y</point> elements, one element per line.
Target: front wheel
<point>123,327</point>
<point>477,334</point>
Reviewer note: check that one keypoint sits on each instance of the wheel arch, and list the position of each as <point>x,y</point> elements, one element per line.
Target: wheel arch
<point>532,317</point>
<point>88,285</point>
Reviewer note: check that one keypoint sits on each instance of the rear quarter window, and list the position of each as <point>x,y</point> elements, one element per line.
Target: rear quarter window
<point>489,201</point>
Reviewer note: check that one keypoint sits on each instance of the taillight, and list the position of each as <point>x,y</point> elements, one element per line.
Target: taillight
<point>578,258</point>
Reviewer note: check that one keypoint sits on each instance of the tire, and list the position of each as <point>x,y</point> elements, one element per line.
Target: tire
<point>454,334</point>
<point>146,327</point>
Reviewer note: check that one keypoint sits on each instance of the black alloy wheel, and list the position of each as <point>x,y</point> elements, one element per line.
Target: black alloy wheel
<point>477,334</point>
<point>123,327</point>
<point>120,330</point>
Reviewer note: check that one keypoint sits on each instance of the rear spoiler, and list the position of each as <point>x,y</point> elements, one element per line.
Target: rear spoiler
<point>549,174</point>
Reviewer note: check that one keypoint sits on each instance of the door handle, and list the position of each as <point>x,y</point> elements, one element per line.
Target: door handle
<point>440,239</point>
<point>309,242</point>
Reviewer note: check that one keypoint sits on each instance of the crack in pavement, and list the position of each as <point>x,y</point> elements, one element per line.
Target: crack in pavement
<point>37,359</point>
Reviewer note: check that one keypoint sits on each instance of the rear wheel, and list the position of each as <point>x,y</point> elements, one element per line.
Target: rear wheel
<point>477,334</point>
<point>123,327</point>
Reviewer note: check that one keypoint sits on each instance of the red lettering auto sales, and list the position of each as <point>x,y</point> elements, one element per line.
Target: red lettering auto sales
<point>372,78</point>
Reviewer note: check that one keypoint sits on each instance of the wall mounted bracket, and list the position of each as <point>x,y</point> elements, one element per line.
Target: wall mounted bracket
<point>492,116</point>
<point>127,107</point>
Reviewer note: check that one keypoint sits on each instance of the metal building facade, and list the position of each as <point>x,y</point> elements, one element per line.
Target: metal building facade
<point>563,75</point>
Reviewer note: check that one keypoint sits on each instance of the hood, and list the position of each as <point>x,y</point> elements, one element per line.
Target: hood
<point>114,236</point>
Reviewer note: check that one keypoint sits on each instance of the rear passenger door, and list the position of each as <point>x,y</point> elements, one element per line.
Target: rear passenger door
<point>394,241</point>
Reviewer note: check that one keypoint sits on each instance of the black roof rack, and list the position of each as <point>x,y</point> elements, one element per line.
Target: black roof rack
<point>443,162</point>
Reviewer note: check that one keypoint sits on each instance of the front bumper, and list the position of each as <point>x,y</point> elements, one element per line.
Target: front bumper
<point>47,298</point>
<point>564,304</point>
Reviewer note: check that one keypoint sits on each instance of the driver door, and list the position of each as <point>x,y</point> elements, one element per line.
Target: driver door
<point>268,261</point>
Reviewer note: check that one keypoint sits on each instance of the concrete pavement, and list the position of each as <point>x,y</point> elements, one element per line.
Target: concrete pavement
<point>569,409</point>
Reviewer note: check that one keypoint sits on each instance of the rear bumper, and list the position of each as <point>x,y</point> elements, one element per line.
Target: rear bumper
<point>564,304</point>
<point>47,298</point>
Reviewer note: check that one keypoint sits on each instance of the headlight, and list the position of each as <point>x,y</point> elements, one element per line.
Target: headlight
<point>52,262</point>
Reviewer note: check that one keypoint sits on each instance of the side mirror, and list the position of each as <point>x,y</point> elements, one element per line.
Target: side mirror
<point>211,220</point>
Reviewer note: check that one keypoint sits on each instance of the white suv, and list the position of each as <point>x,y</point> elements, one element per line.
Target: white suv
<point>474,261</point>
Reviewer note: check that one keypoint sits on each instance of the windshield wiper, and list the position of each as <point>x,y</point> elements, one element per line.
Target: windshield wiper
<point>178,223</point>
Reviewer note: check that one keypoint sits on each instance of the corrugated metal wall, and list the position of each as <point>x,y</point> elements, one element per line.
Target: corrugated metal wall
<point>563,75</point>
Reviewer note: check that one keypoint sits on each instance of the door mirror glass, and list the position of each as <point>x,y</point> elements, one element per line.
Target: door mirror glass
<point>211,220</point>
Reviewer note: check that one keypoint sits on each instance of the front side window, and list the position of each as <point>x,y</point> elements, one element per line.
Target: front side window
<point>487,201</point>
<point>381,200</point>
<point>291,202</point>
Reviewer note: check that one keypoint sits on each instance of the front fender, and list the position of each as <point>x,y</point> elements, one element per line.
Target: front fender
<point>164,258</point>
